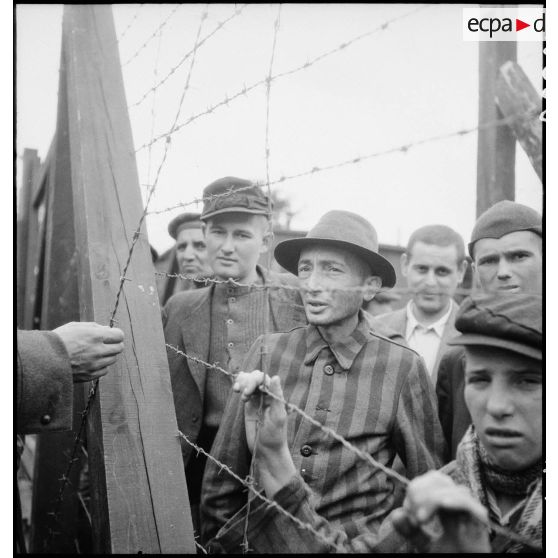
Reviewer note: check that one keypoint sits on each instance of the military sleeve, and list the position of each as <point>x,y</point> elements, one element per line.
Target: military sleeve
<point>222,495</point>
<point>44,383</point>
<point>418,436</point>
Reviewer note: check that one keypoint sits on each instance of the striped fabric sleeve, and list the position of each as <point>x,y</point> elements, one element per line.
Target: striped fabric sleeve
<point>418,436</point>
<point>271,531</point>
<point>222,495</point>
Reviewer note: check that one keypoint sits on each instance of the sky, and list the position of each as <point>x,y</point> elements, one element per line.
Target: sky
<point>413,80</point>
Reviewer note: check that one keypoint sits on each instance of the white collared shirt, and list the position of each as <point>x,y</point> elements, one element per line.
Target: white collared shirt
<point>425,340</point>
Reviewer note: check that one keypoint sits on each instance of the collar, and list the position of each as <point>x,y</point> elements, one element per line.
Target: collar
<point>229,289</point>
<point>437,326</point>
<point>345,350</point>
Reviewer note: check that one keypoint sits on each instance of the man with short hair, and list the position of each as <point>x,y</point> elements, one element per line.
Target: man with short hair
<point>434,265</point>
<point>190,257</point>
<point>218,324</point>
<point>506,248</point>
<point>368,388</point>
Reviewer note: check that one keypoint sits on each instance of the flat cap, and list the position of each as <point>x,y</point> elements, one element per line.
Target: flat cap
<point>503,218</point>
<point>509,321</point>
<point>184,221</point>
<point>234,195</point>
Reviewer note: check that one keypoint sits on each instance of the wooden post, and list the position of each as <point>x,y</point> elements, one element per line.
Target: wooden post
<point>26,231</point>
<point>138,488</point>
<point>496,145</point>
<point>515,94</point>
<point>60,304</point>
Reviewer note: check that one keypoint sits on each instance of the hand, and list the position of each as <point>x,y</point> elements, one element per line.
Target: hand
<point>92,347</point>
<point>434,498</point>
<point>273,459</point>
<point>273,419</point>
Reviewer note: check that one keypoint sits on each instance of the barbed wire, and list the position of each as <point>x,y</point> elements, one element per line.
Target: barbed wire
<point>249,484</point>
<point>123,34</point>
<point>403,148</point>
<point>308,64</point>
<point>219,26</point>
<point>152,36</point>
<point>290,407</point>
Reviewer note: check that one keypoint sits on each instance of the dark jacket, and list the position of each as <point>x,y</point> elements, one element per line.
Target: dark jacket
<point>450,391</point>
<point>186,322</point>
<point>44,383</point>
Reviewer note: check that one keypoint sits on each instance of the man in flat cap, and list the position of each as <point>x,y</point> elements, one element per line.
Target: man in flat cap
<point>497,474</point>
<point>190,257</point>
<point>218,324</point>
<point>434,265</point>
<point>369,389</point>
<point>506,248</point>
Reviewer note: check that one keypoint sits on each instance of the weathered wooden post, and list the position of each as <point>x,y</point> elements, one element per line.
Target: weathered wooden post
<point>496,145</point>
<point>139,497</point>
<point>515,94</point>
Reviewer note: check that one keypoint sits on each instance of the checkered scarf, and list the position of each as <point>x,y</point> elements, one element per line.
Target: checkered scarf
<point>476,472</point>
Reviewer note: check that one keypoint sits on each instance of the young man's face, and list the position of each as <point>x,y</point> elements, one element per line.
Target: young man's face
<point>191,253</point>
<point>234,244</point>
<point>511,264</point>
<point>321,269</point>
<point>433,274</point>
<point>503,392</point>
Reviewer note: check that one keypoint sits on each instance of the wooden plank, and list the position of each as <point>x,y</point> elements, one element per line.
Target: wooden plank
<point>496,145</point>
<point>60,304</point>
<point>515,94</point>
<point>25,220</point>
<point>139,496</point>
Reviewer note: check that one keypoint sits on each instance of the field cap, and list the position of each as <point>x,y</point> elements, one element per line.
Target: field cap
<point>504,218</point>
<point>509,321</point>
<point>234,195</point>
<point>184,221</point>
<point>344,230</point>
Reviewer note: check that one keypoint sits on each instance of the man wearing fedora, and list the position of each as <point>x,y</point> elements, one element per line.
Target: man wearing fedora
<point>506,248</point>
<point>189,257</point>
<point>369,389</point>
<point>218,324</point>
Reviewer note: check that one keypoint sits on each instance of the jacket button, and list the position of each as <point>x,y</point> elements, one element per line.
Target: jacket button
<point>195,417</point>
<point>328,369</point>
<point>45,419</point>
<point>306,450</point>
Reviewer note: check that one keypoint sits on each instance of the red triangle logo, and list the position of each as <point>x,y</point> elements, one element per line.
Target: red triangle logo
<point>519,25</point>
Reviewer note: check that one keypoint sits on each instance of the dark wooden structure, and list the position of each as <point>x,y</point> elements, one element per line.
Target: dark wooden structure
<point>70,265</point>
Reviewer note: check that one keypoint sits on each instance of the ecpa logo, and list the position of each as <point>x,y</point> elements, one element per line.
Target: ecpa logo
<point>503,24</point>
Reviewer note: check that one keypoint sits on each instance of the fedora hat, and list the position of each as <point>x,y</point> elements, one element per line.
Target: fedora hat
<point>344,230</point>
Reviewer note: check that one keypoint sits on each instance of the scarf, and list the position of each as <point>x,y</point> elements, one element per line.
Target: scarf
<point>477,472</point>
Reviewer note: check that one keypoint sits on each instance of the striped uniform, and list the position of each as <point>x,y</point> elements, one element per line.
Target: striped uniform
<point>372,391</point>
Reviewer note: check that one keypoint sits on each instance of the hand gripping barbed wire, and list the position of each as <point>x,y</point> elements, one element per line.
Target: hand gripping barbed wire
<point>247,89</point>
<point>357,451</point>
<point>218,27</point>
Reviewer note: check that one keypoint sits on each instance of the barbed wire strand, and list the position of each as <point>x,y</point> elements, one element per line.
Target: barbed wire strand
<point>152,36</point>
<point>155,71</point>
<point>404,148</point>
<point>249,484</point>
<point>267,302</point>
<point>345,443</point>
<point>219,26</point>
<point>123,34</point>
<point>308,64</point>
<point>123,278</point>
